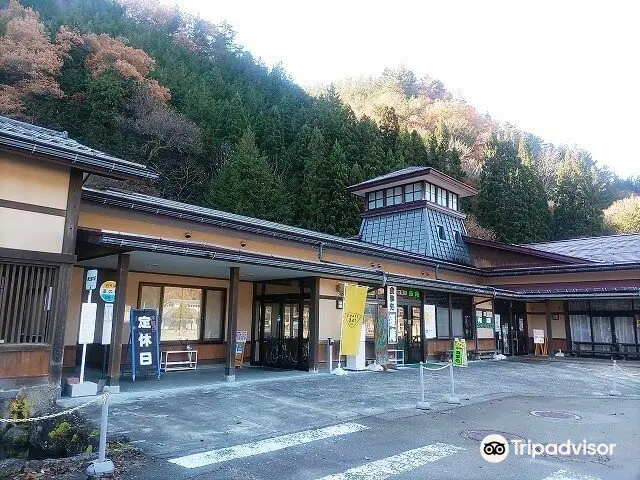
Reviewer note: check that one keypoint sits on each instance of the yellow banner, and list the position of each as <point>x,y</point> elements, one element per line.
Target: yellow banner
<point>355,297</point>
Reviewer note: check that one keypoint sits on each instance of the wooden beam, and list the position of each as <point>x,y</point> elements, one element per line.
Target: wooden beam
<point>234,285</point>
<point>61,305</point>
<point>115,349</point>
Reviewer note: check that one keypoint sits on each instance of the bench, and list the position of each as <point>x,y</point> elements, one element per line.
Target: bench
<point>396,356</point>
<point>188,360</point>
<point>447,355</point>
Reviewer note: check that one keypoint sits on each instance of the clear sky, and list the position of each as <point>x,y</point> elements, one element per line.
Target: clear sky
<point>565,70</point>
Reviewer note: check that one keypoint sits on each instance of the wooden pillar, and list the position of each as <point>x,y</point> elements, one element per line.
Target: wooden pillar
<point>450,318</point>
<point>115,349</point>
<point>547,312</point>
<point>314,325</point>
<point>510,329</point>
<point>234,284</point>
<point>567,325</point>
<point>61,305</point>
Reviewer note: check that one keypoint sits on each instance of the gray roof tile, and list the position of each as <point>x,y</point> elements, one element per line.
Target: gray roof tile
<point>39,140</point>
<point>611,248</point>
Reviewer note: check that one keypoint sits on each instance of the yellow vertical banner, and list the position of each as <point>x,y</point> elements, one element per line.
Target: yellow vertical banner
<point>355,297</point>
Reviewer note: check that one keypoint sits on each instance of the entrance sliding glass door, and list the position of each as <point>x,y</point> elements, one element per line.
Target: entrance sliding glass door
<point>284,333</point>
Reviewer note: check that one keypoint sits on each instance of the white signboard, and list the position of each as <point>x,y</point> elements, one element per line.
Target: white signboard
<point>88,315</point>
<point>392,299</point>
<point>92,280</point>
<point>429,321</point>
<point>538,336</point>
<point>106,323</point>
<point>496,326</point>
<point>392,308</point>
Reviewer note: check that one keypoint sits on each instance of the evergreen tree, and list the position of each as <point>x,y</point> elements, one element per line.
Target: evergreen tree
<point>511,202</point>
<point>578,212</point>
<point>389,127</point>
<point>246,184</point>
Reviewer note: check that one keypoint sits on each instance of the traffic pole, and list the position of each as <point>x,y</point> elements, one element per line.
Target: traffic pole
<point>614,392</point>
<point>452,398</point>
<point>423,404</point>
<point>102,466</point>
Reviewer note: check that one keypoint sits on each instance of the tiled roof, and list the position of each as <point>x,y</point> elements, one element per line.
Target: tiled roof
<point>38,140</point>
<point>396,173</point>
<point>159,205</point>
<point>610,249</point>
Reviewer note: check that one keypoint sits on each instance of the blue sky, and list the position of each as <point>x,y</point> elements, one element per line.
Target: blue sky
<point>565,70</point>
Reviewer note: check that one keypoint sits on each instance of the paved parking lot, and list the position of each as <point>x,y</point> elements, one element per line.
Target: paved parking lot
<point>311,426</point>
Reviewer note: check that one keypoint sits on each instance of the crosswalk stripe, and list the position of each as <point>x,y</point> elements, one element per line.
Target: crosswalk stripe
<point>264,446</point>
<point>567,475</point>
<point>396,464</point>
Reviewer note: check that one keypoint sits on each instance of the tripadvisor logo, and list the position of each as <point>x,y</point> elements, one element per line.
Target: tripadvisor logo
<point>494,448</point>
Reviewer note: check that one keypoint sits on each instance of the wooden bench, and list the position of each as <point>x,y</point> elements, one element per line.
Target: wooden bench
<point>447,355</point>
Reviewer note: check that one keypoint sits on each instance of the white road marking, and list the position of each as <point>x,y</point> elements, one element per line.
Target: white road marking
<point>567,475</point>
<point>264,446</point>
<point>397,464</point>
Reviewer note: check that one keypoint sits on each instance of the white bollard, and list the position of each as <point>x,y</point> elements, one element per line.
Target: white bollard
<point>452,398</point>
<point>102,466</point>
<point>423,404</point>
<point>614,392</point>
<point>330,350</point>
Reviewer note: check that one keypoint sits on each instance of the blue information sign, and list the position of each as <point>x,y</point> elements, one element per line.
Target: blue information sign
<point>145,345</point>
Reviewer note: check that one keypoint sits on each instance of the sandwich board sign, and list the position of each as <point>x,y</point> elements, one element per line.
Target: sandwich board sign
<point>241,340</point>
<point>144,341</point>
<point>538,336</point>
<point>459,352</point>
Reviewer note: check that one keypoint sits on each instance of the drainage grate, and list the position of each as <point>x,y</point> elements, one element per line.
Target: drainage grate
<point>555,414</point>
<point>480,434</point>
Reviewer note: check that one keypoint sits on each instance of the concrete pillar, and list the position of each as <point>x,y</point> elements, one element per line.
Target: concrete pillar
<point>234,285</point>
<point>117,327</point>
<point>547,312</point>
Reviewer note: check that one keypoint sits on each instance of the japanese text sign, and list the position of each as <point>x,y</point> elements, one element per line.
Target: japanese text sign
<point>145,346</point>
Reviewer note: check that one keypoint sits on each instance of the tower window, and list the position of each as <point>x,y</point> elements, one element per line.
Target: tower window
<point>441,233</point>
<point>375,199</point>
<point>394,196</point>
<point>413,192</point>
<point>458,237</point>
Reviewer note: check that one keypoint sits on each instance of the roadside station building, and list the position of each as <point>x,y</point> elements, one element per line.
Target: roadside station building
<point>210,273</point>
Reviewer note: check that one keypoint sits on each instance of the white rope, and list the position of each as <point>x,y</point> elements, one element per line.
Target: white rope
<point>627,373</point>
<point>435,369</point>
<point>102,397</point>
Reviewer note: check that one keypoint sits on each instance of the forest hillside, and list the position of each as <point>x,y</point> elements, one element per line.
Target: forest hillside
<point>156,86</point>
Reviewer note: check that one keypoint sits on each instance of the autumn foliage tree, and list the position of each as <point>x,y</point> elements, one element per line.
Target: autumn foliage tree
<point>29,61</point>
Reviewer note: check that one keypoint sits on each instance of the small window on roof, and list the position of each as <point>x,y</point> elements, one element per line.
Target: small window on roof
<point>441,233</point>
<point>458,237</point>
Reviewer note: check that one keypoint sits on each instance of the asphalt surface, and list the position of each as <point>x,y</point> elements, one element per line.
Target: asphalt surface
<point>366,426</point>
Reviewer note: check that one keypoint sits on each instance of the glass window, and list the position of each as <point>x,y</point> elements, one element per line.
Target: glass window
<point>453,201</point>
<point>441,233</point>
<point>431,192</point>
<point>150,297</point>
<point>441,195</point>
<point>375,199</point>
<point>458,237</point>
<point>457,323</point>
<point>214,315</point>
<point>181,314</point>
<point>370,314</point>
<point>413,192</point>
<point>442,322</point>
<point>394,196</point>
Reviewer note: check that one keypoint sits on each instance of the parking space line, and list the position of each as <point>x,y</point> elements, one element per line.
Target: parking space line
<point>567,475</point>
<point>264,446</point>
<point>397,464</point>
